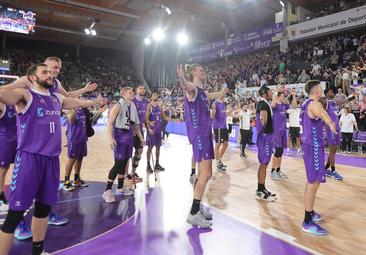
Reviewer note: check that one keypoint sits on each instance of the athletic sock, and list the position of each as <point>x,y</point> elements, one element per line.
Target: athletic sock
<point>120,183</point>
<point>195,206</point>
<point>272,170</point>
<point>157,162</point>
<point>327,166</point>
<point>37,248</point>
<point>278,169</point>
<point>333,168</point>
<point>261,187</point>
<point>148,164</point>
<point>2,197</point>
<point>76,177</point>
<point>308,217</point>
<point>109,185</point>
<point>67,178</point>
<point>193,171</point>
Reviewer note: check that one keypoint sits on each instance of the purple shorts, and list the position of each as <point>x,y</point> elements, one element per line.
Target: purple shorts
<point>34,177</point>
<point>154,139</point>
<point>265,147</point>
<point>333,139</point>
<point>123,150</point>
<point>279,140</point>
<point>7,153</point>
<point>203,148</point>
<point>314,163</point>
<point>77,150</point>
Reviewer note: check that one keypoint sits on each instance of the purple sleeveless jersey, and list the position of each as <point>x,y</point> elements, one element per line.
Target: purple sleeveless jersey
<point>8,129</point>
<point>279,118</point>
<point>197,116</point>
<point>312,133</point>
<point>219,120</point>
<point>333,139</point>
<point>76,132</point>
<point>313,145</point>
<point>141,106</point>
<point>39,125</point>
<point>156,116</point>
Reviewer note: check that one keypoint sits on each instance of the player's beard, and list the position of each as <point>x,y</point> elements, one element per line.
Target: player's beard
<point>44,84</point>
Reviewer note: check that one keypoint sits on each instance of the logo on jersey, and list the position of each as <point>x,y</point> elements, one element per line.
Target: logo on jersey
<point>40,112</point>
<point>11,115</point>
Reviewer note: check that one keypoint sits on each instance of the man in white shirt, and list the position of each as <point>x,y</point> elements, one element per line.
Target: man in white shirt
<point>294,129</point>
<point>245,129</point>
<point>347,122</point>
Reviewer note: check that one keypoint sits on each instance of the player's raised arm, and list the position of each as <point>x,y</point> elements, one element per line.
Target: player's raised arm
<point>187,86</point>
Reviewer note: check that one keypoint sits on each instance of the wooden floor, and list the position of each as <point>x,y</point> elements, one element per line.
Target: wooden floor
<point>342,204</point>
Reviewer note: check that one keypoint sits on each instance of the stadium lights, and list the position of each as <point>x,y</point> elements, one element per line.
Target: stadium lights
<point>158,34</point>
<point>166,9</point>
<point>182,38</point>
<point>147,41</point>
<point>87,31</point>
<point>91,30</point>
<point>283,5</point>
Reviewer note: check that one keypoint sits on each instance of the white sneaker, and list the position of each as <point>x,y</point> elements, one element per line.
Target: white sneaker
<point>198,220</point>
<point>206,213</point>
<point>45,253</point>
<point>288,152</point>
<point>4,207</point>
<point>109,197</point>
<point>192,179</point>
<point>124,192</point>
<point>282,175</point>
<point>348,152</point>
<point>275,176</point>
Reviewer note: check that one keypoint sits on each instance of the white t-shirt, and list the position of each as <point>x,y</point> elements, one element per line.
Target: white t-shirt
<point>294,117</point>
<point>346,123</point>
<point>244,120</point>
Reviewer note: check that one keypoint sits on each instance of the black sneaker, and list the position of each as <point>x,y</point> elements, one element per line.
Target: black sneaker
<point>158,167</point>
<point>68,186</point>
<point>149,170</point>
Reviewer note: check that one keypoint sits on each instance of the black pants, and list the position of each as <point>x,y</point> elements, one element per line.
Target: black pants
<point>164,124</point>
<point>346,141</point>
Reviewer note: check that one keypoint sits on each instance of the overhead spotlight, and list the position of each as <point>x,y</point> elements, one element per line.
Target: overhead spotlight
<point>147,41</point>
<point>158,34</point>
<point>87,31</point>
<point>93,32</point>
<point>166,9</point>
<point>182,38</point>
<point>283,5</point>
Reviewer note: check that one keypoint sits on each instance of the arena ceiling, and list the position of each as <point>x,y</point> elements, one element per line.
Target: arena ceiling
<point>123,23</point>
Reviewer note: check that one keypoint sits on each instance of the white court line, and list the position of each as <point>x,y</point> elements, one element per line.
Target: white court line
<point>353,176</point>
<point>270,231</point>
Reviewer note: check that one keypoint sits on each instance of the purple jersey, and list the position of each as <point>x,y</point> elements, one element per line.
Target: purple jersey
<point>39,125</point>
<point>55,86</point>
<point>156,116</point>
<point>279,118</point>
<point>141,106</point>
<point>197,116</point>
<point>76,132</point>
<point>219,120</point>
<point>332,112</point>
<point>312,129</point>
<point>122,135</point>
<point>8,129</point>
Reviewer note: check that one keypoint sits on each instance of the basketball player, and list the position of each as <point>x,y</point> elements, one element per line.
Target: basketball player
<point>264,124</point>
<point>153,119</point>
<point>279,108</point>
<point>122,123</point>
<point>330,104</point>
<point>8,145</point>
<point>141,105</point>
<point>37,169</point>
<point>199,129</point>
<point>55,65</point>
<point>245,129</point>
<point>312,116</point>
<point>218,115</point>
<point>76,147</point>
<point>294,127</point>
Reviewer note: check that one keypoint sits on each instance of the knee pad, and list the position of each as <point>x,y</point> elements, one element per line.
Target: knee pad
<point>278,152</point>
<point>12,221</point>
<point>41,210</point>
<point>122,167</point>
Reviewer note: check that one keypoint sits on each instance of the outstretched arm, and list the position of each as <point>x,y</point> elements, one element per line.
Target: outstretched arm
<point>14,96</point>
<point>187,86</point>
<point>72,103</point>
<point>90,86</point>
<point>20,83</point>
<point>214,95</point>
